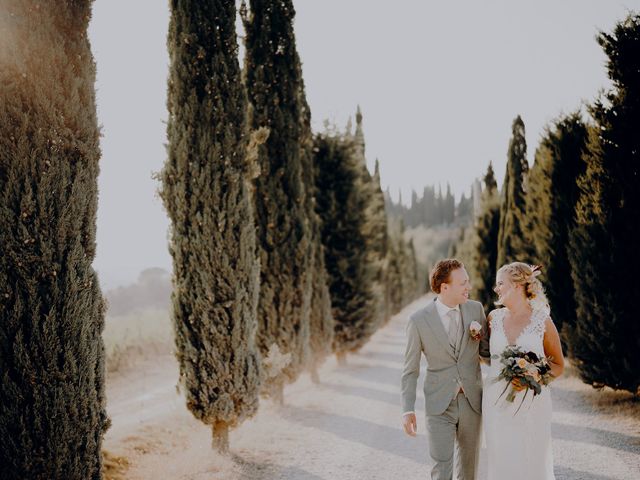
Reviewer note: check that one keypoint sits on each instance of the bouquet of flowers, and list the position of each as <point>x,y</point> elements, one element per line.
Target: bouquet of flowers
<point>526,368</point>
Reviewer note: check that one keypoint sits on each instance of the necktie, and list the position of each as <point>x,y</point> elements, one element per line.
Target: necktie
<point>454,329</point>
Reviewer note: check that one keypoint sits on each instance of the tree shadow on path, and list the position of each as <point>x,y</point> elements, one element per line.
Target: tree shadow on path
<point>373,394</point>
<point>372,435</point>
<point>566,473</point>
<point>384,356</point>
<point>373,373</point>
<point>596,436</point>
<point>256,470</point>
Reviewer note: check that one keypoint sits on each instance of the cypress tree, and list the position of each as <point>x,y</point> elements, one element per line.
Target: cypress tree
<point>395,273</point>
<point>274,83</point>
<point>410,272</point>
<point>490,183</point>
<point>341,206</point>
<point>604,243</point>
<point>321,323</point>
<point>464,210</point>
<point>440,208</point>
<point>486,244</point>
<point>511,243</point>
<point>403,275</point>
<point>430,212</point>
<point>52,401</point>
<point>551,201</point>
<point>413,218</point>
<point>206,192</point>
<point>375,221</point>
<point>321,328</point>
<point>414,272</point>
<point>379,239</point>
<point>449,206</point>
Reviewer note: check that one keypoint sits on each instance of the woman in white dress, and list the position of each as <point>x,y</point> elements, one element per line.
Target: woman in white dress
<point>519,444</point>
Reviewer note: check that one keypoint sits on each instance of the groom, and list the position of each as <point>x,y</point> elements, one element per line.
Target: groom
<point>453,384</point>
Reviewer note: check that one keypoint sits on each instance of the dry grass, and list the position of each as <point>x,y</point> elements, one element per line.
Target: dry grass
<point>114,467</point>
<point>135,336</point>
<point>615,402</point>
<point>605,400</point>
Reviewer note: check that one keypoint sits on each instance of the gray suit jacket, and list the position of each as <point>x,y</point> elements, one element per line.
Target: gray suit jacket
<point>426,334</point>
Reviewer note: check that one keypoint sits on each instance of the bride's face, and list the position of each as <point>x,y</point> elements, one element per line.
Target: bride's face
<point>505,288</point>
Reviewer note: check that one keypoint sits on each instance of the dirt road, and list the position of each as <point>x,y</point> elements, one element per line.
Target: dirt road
<point>346,428</point>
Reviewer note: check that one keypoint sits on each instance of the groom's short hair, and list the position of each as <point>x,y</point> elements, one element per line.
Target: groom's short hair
<point>441,271</point>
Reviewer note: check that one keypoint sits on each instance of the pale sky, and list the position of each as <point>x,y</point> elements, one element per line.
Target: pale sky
<point>439,83</point>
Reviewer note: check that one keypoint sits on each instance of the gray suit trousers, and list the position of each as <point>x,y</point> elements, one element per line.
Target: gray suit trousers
<point>460,425</point>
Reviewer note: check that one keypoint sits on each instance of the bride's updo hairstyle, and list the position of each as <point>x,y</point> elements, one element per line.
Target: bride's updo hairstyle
<point>522,274</point>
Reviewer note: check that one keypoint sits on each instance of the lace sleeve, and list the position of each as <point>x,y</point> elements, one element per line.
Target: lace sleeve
<point>495,318</point>
<point>538,321</point>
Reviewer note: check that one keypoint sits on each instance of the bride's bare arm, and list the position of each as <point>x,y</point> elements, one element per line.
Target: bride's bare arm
<point>553,348</point>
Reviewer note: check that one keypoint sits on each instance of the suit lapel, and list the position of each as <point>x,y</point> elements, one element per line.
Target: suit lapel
<point>435,323</point>
<point>466,323</point>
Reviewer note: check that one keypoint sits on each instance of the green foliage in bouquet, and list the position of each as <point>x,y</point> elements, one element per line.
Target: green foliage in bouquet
<point>527,368</point>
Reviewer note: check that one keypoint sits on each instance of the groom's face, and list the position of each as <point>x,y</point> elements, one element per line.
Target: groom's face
<point>456,290</point>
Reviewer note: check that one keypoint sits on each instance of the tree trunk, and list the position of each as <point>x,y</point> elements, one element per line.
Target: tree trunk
<point>278,394</point>
<point>220,437</point>
<point>341,357</point>
<point>315,377</point>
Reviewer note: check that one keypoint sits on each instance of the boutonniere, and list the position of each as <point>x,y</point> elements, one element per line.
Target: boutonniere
<point>475,330</point>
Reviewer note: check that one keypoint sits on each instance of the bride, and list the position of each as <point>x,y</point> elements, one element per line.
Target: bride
<point>519,443</point>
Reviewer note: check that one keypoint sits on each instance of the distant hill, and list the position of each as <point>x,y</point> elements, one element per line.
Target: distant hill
<point>152,290</point>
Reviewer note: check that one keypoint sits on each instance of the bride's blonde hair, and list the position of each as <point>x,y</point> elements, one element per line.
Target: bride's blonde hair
<point>523,274</point>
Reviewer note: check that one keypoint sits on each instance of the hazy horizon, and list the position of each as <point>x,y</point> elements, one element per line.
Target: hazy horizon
<point>438,83</point>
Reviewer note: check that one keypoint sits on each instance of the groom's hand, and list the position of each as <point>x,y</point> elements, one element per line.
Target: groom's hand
<point>410,424</point>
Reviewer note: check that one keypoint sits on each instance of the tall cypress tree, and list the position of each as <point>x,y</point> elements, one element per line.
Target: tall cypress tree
<point>464,210</point>
<point>486,243</point>
<point>440,207</point>
<point>604,243</point>
<point>550,205</point>
<point>375,220</point>
<point>52,402</point>
<point>206,191</point>
<point>511,244</point>
<point>274,83</point>
<point>395,273</point>
<point>429,202</point>
<point>321,323</point>
<point>379,238</point>
<point>403,276</point>
<point>341,205</point>
<point>410,287</point>
<point>449,206</point>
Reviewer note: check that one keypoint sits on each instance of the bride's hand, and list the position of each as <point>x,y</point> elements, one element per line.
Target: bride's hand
<point>517,385</point>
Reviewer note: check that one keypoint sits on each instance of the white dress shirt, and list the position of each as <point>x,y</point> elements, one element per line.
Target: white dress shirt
<point>443,311</point>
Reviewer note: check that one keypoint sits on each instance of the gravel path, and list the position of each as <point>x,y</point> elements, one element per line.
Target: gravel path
<point>346,428</point>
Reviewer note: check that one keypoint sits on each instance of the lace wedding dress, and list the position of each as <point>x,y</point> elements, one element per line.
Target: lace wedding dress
<point>518,444</point>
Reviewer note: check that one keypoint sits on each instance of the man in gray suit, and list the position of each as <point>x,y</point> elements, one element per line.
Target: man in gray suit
<point>442,331</point>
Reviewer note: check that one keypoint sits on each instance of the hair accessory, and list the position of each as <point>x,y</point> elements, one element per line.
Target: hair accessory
<point>535,270</point>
